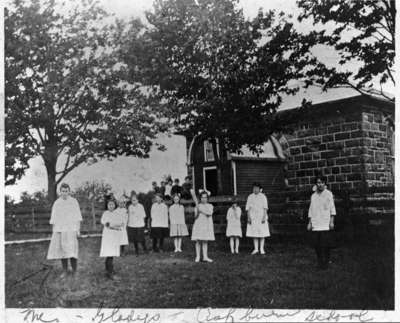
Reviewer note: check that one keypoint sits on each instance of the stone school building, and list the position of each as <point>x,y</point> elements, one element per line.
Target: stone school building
<point>351,141</point>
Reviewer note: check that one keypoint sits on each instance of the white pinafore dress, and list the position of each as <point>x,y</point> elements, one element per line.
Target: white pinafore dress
<point>203,226</point>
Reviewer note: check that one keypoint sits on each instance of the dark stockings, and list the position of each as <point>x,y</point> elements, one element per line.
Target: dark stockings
<point>136,244</point>
<point>160,245</point>
<point>323,254</point>
<point>109,265</point>
<point>74,264</point>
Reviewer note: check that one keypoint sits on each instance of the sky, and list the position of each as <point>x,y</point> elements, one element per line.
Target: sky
<point>130,173</point>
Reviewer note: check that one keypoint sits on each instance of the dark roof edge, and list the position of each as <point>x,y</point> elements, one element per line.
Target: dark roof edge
<point>339,101</point>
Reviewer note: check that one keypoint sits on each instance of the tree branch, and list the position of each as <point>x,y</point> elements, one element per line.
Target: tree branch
<point>390,75</point>
<point>384,36</point>
<point>40,135</point>
<point>66,171</point>
<point>38,150</point>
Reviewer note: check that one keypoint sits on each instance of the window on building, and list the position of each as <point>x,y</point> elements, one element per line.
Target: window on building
<point>208,151</point>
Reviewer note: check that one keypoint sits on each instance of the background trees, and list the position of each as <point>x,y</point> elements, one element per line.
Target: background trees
<point>220,74</point>
<point>67,95</point>
<point>360,31</point>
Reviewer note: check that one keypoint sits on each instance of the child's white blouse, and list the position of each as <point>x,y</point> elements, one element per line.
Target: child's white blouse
<point>124,214</point>
<point>136,216</point>
<point>159,215</point>
<point>321,208</point>
<point>234,214</point>
<point>65,215</point>
<point>114,218</point>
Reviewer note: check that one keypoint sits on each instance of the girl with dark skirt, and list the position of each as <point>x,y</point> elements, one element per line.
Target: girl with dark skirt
<point>321,216</point>
<point>136,224</point>
<point>159,223</point>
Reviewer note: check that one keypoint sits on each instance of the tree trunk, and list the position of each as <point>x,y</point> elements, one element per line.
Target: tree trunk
<point>218,161</point>
<point>51,180</point>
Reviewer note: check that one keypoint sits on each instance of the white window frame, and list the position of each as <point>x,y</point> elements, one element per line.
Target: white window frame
<point>205,150</point>
<point>204,175</point>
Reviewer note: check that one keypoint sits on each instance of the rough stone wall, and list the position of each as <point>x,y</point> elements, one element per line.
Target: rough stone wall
<point>378,152</point>
<point>350,149</point>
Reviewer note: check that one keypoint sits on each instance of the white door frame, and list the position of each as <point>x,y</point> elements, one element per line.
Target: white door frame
<point>234,177</point>
<point>204,175</point>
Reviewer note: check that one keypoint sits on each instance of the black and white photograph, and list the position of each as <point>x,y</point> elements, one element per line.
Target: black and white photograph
<point>199,161</point>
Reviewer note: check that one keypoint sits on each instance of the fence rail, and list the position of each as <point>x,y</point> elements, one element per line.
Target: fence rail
<point>288,211</point>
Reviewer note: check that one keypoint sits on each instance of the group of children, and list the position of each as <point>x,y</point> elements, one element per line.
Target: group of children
<point>124,224</point>
<point>169,188</point>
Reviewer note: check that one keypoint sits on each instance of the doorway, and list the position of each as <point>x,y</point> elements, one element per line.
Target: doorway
<point>210,179</point>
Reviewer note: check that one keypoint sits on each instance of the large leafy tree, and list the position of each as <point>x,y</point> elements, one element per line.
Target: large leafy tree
<point>362,32</point>
<point>67,98</point>
<point>220,74</point>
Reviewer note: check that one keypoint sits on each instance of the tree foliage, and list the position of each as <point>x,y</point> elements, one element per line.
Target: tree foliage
<point>67,93</point>
<point>220,74</point>
<point>363,31</point>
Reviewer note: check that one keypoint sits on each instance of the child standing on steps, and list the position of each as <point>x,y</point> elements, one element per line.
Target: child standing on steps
<point>159,223</point>
<point>234,227</point>
<point>111,238</point>
<point>65,219</point>
<point>178,228</point>
<point>136,224</point>
<point>203,226</point>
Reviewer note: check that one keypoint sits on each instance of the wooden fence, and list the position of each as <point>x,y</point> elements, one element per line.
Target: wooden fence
<point>288,212</point>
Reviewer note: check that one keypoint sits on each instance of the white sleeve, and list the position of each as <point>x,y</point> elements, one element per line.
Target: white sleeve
<point>104,218</point>
<point>265,202</point>
<point>53,213</point>
<point>310,208</point>
<point>78,211</point>
<point>332,205</point>
<point>228,214</point>
<point>248,203</point>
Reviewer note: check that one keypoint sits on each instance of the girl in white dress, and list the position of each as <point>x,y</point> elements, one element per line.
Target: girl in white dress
<point>203,226</point>
<point>124,213</point>
<point>65,219</point>
<point>234,227</point>
<point>178,227</point>
<point>113,222</point>
<point>257,218</point>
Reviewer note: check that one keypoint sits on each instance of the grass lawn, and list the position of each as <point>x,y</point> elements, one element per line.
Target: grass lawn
<point>360,277</point>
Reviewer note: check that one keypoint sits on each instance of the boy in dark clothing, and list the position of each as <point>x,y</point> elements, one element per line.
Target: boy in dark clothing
<point>186,187</point>
<point>176,188</point>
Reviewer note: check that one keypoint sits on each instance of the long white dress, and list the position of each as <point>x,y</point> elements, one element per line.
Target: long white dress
<point>178,226</point>
<point>124,232</point>
<point>65,218</point>
<point>256,203</point>
<point>203,226</point>
<point>233,227</point>
<point>111,238</point>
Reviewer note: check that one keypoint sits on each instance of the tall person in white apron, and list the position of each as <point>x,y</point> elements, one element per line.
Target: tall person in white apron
<point>65,220</point>
<point>257,219</point>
